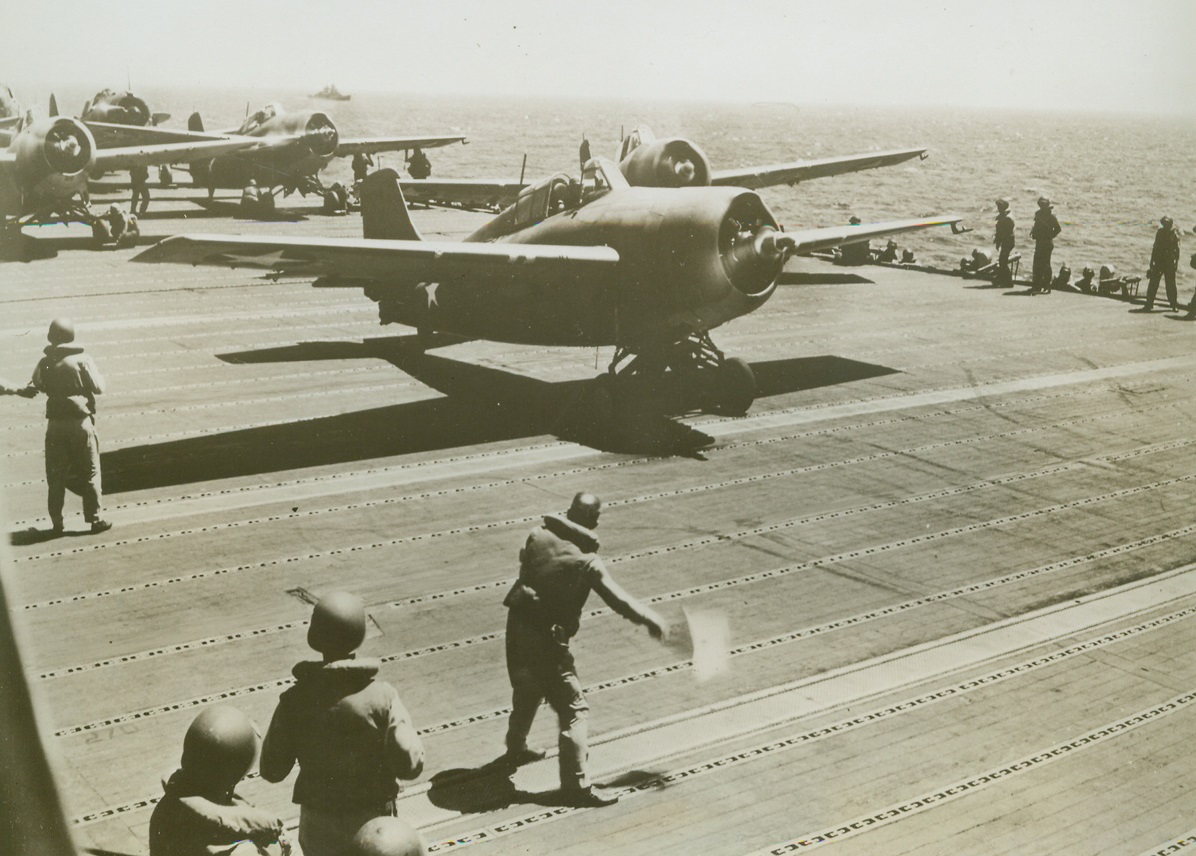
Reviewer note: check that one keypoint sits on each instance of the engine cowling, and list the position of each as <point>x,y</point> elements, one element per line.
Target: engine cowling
<point>53,157</point>
<point>320,135</point>
<point>674,162</point>
<point>118,108</point>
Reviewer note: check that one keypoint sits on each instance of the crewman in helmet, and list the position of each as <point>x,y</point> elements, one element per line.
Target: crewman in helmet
<point>418,165</point>
<point>71,381</point>
<point>387,836</point>
<point>349,733</point>
<point>558,568</point>
<point>858,253</point>
<point>1003,240</point>
<point>1043,233</point>
<point>201,813</point>
<point>1164,262</point>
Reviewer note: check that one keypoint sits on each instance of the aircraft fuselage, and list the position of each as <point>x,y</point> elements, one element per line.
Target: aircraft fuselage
<point>305,144</point>
<point>684,267</point>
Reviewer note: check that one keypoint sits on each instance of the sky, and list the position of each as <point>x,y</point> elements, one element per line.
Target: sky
<point>1090,55</point>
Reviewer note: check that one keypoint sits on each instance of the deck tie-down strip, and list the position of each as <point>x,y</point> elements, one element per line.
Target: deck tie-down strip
<point>839,727</point>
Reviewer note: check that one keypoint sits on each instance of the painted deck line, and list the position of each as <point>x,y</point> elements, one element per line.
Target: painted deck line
<point>635,747</point>
<point>787,418</point>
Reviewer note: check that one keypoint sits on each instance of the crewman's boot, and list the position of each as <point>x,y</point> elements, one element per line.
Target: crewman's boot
<point>512,760</point>
<point>587,798</point>
<point>98,526</point>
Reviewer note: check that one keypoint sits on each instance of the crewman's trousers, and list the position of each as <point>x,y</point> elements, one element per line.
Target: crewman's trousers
<point>540,670</point>
<point>73,463</point>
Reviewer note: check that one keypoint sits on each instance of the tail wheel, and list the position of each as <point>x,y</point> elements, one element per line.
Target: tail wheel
<point>736,387</point>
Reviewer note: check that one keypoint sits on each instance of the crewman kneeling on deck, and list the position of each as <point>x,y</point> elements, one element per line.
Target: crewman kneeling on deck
<point>558,568</point>
<point>889,253</point>
<point>348,731</point>
<point>1085,282</point>
<point>857,253</point>
<point>201,814</point>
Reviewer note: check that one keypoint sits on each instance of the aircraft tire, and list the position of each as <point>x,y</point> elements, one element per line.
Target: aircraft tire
<point>736,387</point>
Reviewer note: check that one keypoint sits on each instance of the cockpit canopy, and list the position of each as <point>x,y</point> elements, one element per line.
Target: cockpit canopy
<point>261,117</point>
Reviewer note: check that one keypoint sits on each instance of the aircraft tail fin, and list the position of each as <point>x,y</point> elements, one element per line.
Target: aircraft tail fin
<point>384,213</point>
<point>53,105</point>
<point>195,123</point>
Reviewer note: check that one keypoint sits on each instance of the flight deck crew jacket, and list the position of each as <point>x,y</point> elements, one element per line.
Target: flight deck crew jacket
<point>1046,228</point>
<point>70,380</point>
<point>1164,257</point>
<point>558,568</point>
<point>189,822</point>
<point>349,733</point>
<point>1003,233</point>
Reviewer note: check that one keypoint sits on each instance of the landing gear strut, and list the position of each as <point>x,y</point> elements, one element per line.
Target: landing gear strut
<point>687,376</point>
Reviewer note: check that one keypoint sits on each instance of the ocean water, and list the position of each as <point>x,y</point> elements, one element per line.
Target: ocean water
<point>1111,176</point>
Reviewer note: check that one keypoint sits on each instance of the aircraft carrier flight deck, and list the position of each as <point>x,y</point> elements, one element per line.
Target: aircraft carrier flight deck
<point>951,542</point>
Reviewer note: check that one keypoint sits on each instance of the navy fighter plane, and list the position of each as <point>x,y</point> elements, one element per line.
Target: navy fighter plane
<point>299,145</point>
<point>120,108</point>
<point>592,263</point>
<point>45,168</point>
<point>647,161</point>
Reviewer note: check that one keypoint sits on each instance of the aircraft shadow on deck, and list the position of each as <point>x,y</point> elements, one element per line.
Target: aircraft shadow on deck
<point>480,405</point>
<point>822,278</point>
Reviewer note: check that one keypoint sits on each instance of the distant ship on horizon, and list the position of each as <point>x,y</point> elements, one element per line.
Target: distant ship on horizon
<point>331,93</point>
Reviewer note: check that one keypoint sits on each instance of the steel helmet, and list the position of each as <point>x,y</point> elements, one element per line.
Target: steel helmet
<point>337,624</point>
<point>387,836</point>
<point>61,331</point>
<point>220,746</point>
<point>585,510</point>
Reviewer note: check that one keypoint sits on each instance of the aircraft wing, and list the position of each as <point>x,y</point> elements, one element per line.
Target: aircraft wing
<point>791,173</point>
<point>377,260</point>
<point>127,156</point>
<point>462,192</point>
<point>369,145</point>
<point>813,240</point>
<point>111,136</point>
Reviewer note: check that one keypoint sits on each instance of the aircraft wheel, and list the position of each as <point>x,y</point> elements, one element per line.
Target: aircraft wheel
<point>736,387</point>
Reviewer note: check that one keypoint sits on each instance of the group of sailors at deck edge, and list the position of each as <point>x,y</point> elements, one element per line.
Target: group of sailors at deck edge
<point>1163,267</point>
<point>352,739</point>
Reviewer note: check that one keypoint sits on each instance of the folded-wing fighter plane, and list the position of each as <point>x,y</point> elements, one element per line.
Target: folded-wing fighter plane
<point>10,108</point>
<point>296,146</point>
<point>597,262</point>
<point>45,168</point>
<point>116,108</point>
<point>646,161</point>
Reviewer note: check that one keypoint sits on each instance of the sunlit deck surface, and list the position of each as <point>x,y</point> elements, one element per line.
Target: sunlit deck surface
<point>953,540</point>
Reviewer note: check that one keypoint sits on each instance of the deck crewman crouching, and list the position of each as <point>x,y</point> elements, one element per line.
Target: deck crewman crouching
<point>558,568</point>
<point>348,731</point>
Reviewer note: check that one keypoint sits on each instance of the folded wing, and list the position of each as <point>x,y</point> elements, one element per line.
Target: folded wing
<point>363,259</point>
<point>371,145</point>
<point>755,177</point>
<point>478,194</point>
<point>813,240</point>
